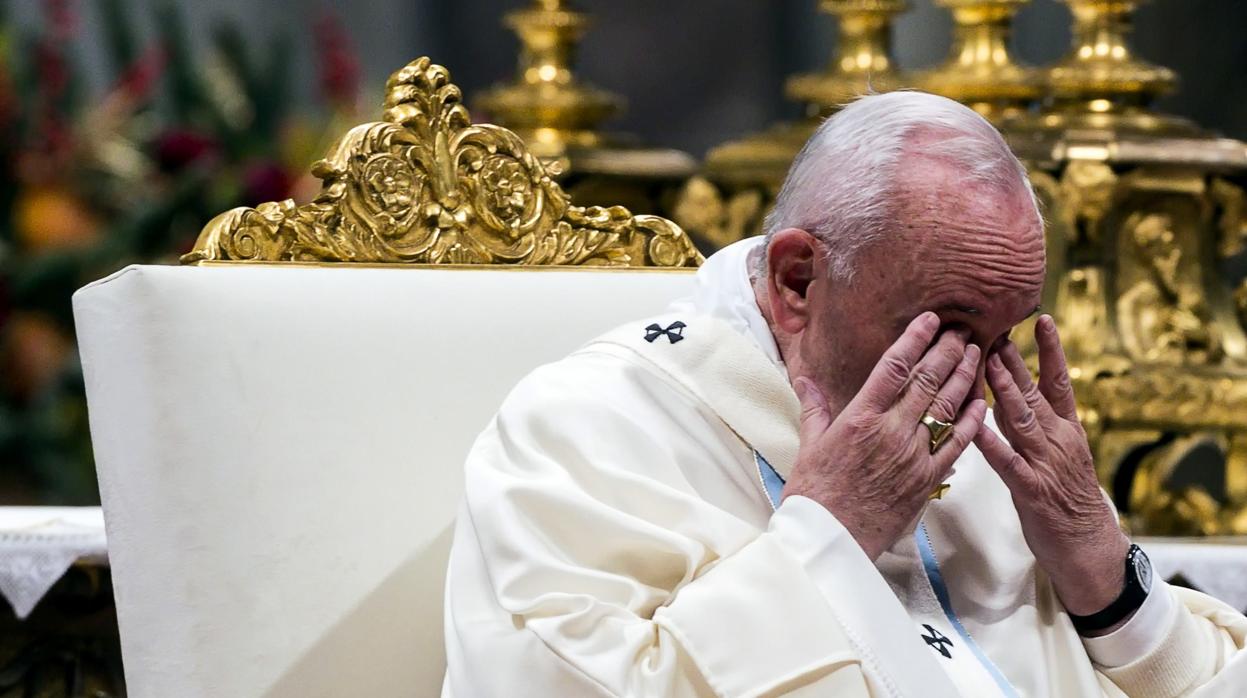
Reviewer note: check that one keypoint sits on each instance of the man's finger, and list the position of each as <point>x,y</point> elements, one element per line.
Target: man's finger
<point>1014,362</point>
<point>1054,380</point>
<point>892,372</point>
<point>815,417</point>
<point>1016,365</point>
<point>931,373</point>
<point>1012,468</point>
<point>965,428</point>
<point>948,401</point>
<point>1020,421</point>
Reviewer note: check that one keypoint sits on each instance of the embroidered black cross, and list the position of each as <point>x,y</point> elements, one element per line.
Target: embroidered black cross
<point>674,332</point>
<point>937,640</point>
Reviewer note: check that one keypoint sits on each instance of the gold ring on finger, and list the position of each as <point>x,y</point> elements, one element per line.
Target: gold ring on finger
<point>940,431</point>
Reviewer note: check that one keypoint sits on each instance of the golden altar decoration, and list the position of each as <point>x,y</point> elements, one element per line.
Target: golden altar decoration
<point>727,200</point>
<point>560,117</point>
<point>427,186</point>
<point>1141,209</point>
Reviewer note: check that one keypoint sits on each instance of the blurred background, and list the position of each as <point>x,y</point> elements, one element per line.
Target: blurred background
<point>126,124</point>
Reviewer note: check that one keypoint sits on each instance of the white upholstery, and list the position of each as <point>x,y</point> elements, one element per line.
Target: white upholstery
<point>279,454</point>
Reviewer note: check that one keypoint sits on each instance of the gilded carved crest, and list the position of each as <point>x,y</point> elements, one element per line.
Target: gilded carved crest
<point>427,186</point>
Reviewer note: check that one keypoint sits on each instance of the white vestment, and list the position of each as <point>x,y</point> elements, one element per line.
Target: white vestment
<point>617,538</point>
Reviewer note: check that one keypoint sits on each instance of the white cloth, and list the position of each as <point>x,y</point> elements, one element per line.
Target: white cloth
<point>724,291</point>
<point>616,539</point>
<point>37,546</point>
<point>280,452</point>
<point>1215,566</point>
<point>1141,633</point>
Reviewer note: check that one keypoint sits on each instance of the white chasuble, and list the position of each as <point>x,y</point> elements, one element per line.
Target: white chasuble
<point>618,538</point>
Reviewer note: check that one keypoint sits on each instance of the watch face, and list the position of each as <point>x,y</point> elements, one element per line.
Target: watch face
<point>1143,569</point>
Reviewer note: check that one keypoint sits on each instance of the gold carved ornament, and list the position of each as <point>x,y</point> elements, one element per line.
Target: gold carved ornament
<point>1155,354</point>
<point>427,186</point>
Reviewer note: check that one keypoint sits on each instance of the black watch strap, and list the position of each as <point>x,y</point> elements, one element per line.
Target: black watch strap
<point>1138,584</point>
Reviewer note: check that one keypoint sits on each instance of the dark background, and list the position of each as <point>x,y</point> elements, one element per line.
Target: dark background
<point>698,72</point>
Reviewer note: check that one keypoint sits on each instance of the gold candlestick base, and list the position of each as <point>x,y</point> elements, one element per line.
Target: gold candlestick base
<point>980,71</point>
<point>1101,84</point>
<point>743,176</point>
<point>862,62</point>
<point>560,117</point>
<point>546,94</point>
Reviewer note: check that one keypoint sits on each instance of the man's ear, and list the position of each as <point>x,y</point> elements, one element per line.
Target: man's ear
<point>794,261</point>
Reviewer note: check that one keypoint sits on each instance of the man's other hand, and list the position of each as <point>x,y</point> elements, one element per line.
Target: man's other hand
<point>1046,462</point>
<point>872,466</point>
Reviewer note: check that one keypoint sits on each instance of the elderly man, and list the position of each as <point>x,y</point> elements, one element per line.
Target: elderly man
<point>736,498</point>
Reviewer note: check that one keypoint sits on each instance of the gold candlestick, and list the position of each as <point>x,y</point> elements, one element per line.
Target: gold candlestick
<point>980,72</point>
<point>560,117</point>
<point>546,104</point>
<point>861,63</point>
<point>741,177</point>
<point>1101,84</point>
<point>863,58</point>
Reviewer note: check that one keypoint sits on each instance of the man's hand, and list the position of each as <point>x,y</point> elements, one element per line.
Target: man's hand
<point>872,466</point>
<point>1046,463</point>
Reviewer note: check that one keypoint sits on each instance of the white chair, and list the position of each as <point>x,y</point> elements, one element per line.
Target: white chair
<point>279,445</point>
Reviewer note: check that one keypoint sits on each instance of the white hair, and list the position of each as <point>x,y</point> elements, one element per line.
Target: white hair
<point>841,186</point>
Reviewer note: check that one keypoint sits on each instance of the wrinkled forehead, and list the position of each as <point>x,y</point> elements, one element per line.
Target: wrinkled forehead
<point>968,243</point>
<point>939,206</point>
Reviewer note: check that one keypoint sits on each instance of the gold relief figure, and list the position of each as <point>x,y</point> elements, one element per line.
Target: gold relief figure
<point>1236,485</point>
<point>1171,400</point>
<point>1163,316</point>
<point>1240,301</point>
<point>701,210</point>
<point>1189,486</point>
<point>1086,193</point>
<point>1232,223</point>
<point>1085,327</point>
<point>1188,511</point>
<point>427,186</point>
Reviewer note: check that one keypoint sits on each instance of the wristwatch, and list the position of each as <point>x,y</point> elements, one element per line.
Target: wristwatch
<point>1138,584</point>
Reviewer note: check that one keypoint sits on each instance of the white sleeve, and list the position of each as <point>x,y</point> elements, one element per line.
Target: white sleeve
<point>1191,646</point>
<point>1179,643</point>
<point>584,565</point>
<point>845,575</point>
<point>862,601</point>
<point>1141,634</point>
